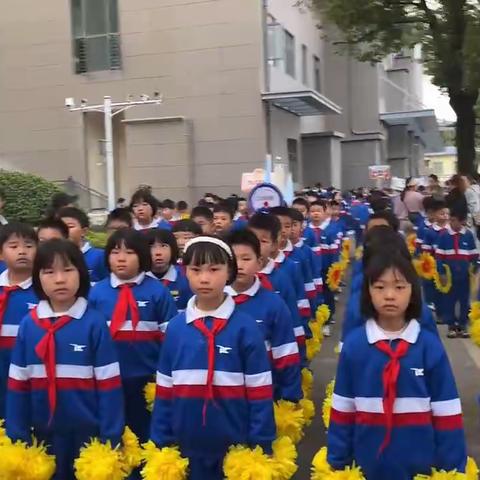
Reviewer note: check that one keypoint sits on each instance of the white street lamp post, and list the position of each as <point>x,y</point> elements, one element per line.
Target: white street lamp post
<point>110,109</point>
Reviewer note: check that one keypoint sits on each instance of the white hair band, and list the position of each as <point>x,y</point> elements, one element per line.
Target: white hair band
<point>214,240</point>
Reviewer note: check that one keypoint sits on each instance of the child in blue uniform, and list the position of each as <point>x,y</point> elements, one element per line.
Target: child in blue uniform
<point>78,225</point>
<point>164,252</point>
<point>271,314</point>
<point>223,218</point>
<point>18,245</point>
<point>51,228</point>
<point>138,309</point>
<point>117,219</point>
<point>64,381</point>
<point>144,207</point>
<point>456,248</point>
<point>203,216</point>
<point>184,231</point>
<point>395,405</point>
<point>214,384</point>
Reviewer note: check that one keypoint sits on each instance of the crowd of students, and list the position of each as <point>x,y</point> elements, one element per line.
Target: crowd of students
<point>216,307</point>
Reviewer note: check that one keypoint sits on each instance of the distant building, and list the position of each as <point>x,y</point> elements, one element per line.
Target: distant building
<point>239,78</point>
<point>443,164</point>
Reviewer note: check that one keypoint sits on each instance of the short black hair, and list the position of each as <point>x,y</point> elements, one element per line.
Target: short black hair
<point>167,203</point>
<point>375,269</point>
<point>281,212</point>
<point>438,204</point>
<point>267,222</point>
<point>187,226</point>
<point>54,224</point>
<point>120,214</point>
<point>458,213</point>
<point>182,205</point>
<point>21,230</point>
<point>143,195</point>
<point>383,239</point>
<point>224,207</point>
<point>388,216</point>
<point>73,212</point>
<point>202,211</point>
<point>158,235</point>
<point>433,177</point>
<point>301,201</point>
<point>296,215</point>
<point>427,203</point>
<point>319,203</point>
<point>70,254</point>
<point>206,253</point>
<point>133,240</point>
<point>244,237</point>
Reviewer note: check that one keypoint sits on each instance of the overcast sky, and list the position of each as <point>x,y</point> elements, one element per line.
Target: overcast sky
<point>433,98</point>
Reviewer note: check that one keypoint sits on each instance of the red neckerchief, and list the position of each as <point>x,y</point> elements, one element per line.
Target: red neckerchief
<point>4,296</point>
<point>218,325</point>
<point>45,350</point>
<point>126,301</point>
<point>390,375</point>
<point>265,281</point>
<point>241,298</point>
<point>166,282</point>
<point>317,231</point>
<point>456,242</point>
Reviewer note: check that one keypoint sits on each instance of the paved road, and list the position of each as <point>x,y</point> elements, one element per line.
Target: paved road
<point>465,359</point>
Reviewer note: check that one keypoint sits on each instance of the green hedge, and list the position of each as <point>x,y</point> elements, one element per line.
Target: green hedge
<point>27,196</point>
<point>97,239</point>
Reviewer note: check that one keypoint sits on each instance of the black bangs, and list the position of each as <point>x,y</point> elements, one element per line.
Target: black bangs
<point>69,254</point>
<point>206,253</point>
<point>132,240</point>
<point>20,230</point>
<point>158,235</point>
<point>378,264</point>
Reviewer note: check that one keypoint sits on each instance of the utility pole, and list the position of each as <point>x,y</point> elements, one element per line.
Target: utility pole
<point>109,110</point>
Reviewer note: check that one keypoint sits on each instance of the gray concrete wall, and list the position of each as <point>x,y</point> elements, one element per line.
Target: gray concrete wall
<point>204,56</point>
<point>317,165</point>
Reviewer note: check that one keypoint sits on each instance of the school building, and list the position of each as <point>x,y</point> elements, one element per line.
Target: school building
<point>239,79</point>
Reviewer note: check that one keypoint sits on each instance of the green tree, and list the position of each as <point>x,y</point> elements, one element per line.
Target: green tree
<point>449,31</point>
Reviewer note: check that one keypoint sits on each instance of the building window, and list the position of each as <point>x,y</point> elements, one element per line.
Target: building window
<point>437,168</point>
<point>317,80</point>
<point>96,37</point>
<point>304,65</point>
<point>292,149</point>
<point>289,54</point>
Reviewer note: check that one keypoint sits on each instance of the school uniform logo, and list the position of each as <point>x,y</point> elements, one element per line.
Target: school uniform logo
<point>142,304</point>
<point>419,372</point>
<point>224,350</point>
<point>175,294</point>
<point>259,321</point>
<point>31,306</point>
<point>78,348</point>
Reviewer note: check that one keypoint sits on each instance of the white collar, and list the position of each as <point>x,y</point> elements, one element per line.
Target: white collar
<point>280,258</point>
<point>4,281</point>
<point>237,216</point>
<point>224,311</point>
<point>116,282</point>
<point>437,227</point>
<point>153,224</point>
<point>429,224</point>
<point>86,247</point>
<point>299,244</point>
<point>269,267</point>
<point>322,226</point>
<point>452,232</point>
<point>289,247</point>
<point>171,274</point>
<point>77,310</point>
<point>251,292</point>
<point>376,334</point>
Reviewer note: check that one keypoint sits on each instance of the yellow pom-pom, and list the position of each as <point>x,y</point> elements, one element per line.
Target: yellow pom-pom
<point>322,314</point>
<point>3,434</point>
<point>334,276</point>
<point>100,461</point>
<point>474,329</point>
<point>131,450</point>
<point>426,266</point>
<point>443,288</point>
<point>474,311</point>
<point>320,466</point>
<point>316,329</point>
<point>289,419</point>
<point>412,243</point>
<point>472,470</point>
<point>350,473</point>
<point>308,408</point>
<point>327,404</point>
<point>20,462</point>
<point>163,464</point>
<point>284,458</point>
<point>313,346</point>
<point>242,463</point>
<point>441,475</point>
<point>307,383</point>
<point>359,253</point>
<point>149,392</point>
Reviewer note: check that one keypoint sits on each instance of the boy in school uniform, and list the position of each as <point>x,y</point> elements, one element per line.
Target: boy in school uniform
<point>271,314</point>
<point>456,248</point>
<point>117,219</point>
<point>167,211</point>
<point>78,226</point>
<point>184,231</point>
<point>222,218</point>
<point>52,228</point>
<point>18,246</point>
<point>203,216</point>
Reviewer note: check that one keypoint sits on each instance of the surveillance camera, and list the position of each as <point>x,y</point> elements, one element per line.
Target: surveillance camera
<point>70,102</point>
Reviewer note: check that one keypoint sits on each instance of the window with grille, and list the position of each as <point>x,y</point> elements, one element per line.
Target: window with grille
<point>289,54</point>
<point>292,148</point>
<point>96,37</point>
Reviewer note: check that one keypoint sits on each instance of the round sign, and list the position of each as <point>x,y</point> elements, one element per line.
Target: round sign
<point>264,196</point>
